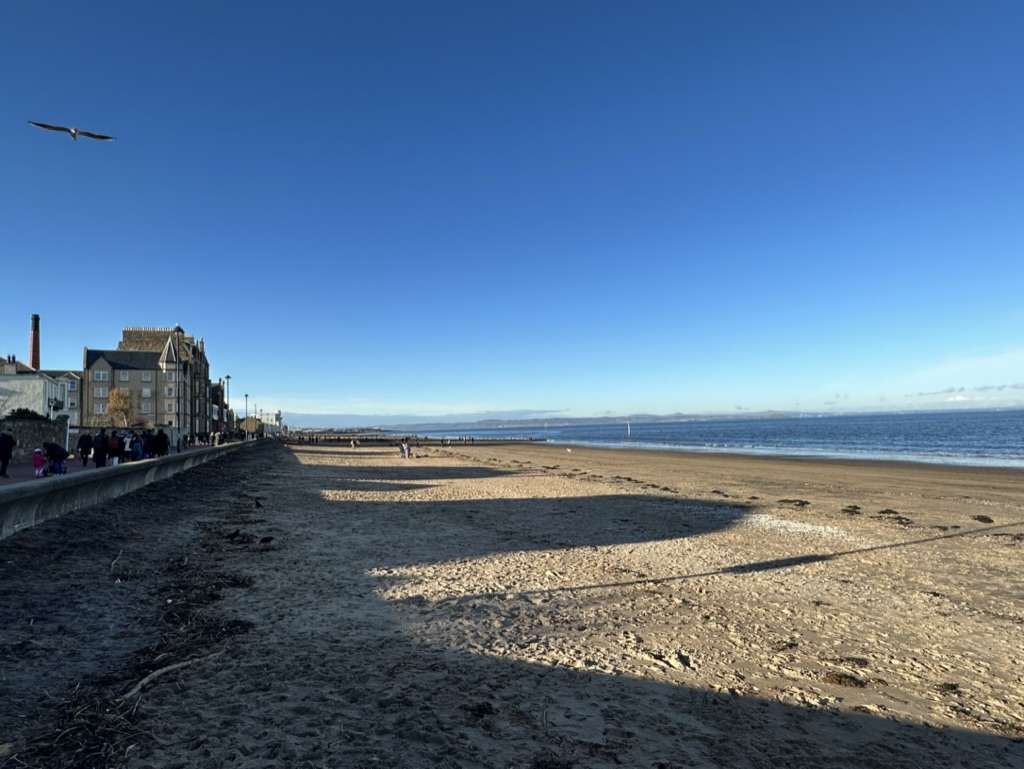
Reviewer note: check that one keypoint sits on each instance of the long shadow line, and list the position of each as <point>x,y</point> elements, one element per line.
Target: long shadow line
<point>742,568</point>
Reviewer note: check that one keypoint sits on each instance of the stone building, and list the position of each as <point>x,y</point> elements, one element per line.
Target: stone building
<point>165,372</point>
<point>185,355</point>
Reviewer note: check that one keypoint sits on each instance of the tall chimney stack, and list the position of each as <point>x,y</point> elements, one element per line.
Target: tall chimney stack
<point>33,343</point>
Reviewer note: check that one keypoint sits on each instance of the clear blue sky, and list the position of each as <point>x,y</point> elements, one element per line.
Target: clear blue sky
<point>593,207</point>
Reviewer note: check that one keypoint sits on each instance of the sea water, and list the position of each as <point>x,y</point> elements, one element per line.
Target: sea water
<point>993,438</point>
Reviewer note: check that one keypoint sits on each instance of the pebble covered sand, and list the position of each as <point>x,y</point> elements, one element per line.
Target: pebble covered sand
<point>522,607</point>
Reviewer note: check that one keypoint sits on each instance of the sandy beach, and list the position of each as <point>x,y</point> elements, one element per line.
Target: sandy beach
<point>522,607</point>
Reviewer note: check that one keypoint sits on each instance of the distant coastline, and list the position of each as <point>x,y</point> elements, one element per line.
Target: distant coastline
<point>975,438</point>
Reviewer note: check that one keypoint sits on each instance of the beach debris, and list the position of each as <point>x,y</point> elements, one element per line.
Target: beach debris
<point>163,671</point>
<point>844,679</point>
<point>948,687</point>
<point>893,515</point>
<point>982,519</point>
<point>479,710</point>
<point>719,492</point>
<point>794,502</point>
<point>852,509</point>
<point>548,760</point>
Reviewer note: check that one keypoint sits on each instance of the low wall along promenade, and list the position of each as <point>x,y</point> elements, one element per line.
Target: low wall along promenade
<point>33,433</point>
<point>24,505</point>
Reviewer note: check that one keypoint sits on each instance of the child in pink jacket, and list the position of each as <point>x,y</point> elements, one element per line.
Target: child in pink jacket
<point>39,463</point>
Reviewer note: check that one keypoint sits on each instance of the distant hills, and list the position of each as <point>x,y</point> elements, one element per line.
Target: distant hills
<point>496,420</point>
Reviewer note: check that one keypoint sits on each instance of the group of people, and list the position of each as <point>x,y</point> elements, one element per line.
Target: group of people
<point>103,449</point>
<point>117,447</point>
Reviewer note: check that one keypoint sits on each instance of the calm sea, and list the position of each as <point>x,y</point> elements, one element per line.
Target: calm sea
<point>993,438</point>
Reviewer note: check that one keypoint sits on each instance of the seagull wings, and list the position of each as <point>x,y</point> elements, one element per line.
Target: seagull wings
<point>49,127</point>
<point>91,135</point>
<point>75,132</point>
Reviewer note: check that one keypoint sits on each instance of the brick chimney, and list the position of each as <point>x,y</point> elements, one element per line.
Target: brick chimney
<point>33,343</point>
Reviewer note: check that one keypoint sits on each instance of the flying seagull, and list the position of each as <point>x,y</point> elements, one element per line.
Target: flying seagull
<point>75,132</point>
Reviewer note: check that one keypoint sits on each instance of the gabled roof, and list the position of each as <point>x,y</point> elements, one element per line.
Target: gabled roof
<point>170,353</point>
<point>21,368</point>
<point>56,373</point>
<point>124,359</point>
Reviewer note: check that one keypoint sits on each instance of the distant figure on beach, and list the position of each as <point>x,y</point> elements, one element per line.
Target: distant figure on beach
<point>7,444</point>
<point>84,447</point>
<point>100,446</point>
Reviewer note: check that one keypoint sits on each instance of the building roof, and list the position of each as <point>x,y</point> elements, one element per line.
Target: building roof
<point>124,359</point>
<point>21,368</point>
<point>56,373</point>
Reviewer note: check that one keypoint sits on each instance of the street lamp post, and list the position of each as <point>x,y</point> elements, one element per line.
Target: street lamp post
<point>227,397</point>
<point>247,416</point>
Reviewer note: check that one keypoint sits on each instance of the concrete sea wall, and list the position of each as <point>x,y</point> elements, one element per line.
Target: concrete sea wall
<point>24,505</point>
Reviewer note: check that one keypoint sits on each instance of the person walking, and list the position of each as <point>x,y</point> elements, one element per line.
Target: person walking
<point>161,443</point>
<point>7,444</point>
<point>114,448</point>
<point>136,448</point>
<point>100,447</point>
<point>84,447</point>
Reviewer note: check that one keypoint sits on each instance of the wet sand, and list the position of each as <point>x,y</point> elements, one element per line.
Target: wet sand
<point>523,606</point>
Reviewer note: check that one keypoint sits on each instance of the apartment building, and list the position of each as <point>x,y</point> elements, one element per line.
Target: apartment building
<point>165,373</point>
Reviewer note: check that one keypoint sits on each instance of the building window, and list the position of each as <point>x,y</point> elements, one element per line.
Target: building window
<point>72,386</point>
<point>169,407</point>
<point>146,407</point>
<point>170,376</point>
<point>124,376</point>
<point>99,408</point>
<point>147,392</point>
<point>147,376</point>
<point>100,376</point>
<point>72,404</point>
<point>170,392</point>
<point>99,392</point>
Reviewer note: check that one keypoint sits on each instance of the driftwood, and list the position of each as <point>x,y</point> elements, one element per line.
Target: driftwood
<point>157,673</point>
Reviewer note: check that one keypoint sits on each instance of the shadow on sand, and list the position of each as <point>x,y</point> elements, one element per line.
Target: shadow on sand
<point>332,676</point>
<point>559,716</point>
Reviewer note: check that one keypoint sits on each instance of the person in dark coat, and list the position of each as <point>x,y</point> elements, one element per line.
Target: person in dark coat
<point>135,447</point>
<point>56,454</point>
<point>148,444</point>
<point>100,446</point>
<point>162,442</point>
<point>115,448</point>
<point>84,447</point>
<point>7,444</point>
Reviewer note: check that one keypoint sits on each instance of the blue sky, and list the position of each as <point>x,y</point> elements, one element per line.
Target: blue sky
<point>586,207</point>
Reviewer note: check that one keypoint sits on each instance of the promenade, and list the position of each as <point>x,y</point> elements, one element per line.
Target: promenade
<point>518,607</point>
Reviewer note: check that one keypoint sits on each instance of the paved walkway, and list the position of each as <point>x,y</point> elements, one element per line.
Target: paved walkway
<point>21,470</point>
